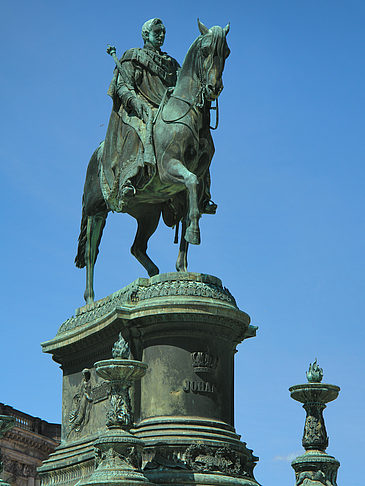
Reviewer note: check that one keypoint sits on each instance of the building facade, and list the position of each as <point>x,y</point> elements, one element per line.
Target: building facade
<point>25,446</point>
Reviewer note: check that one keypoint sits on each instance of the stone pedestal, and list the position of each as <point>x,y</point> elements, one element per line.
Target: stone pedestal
<point>185,327</point>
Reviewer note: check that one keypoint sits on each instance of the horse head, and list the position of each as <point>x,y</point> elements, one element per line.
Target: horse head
<point>212,54</point>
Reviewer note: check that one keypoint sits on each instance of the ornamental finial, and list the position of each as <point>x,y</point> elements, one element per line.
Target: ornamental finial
<point>315,373</point>
<point>121,348</point>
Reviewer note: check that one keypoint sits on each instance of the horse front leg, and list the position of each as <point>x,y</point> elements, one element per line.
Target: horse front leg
<point>182,259</point>
<point>95,226</point>
<point>181,174</point>
<point>192,233</point>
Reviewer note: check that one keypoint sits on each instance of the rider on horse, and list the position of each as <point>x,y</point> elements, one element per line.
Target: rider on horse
<point>156,156</point>
<point>137,90</point>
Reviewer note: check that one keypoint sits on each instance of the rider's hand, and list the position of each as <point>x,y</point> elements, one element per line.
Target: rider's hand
<point>111,50</point>
<point>141,109</point>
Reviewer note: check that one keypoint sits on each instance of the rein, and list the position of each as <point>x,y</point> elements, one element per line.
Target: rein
<point>191,105</point>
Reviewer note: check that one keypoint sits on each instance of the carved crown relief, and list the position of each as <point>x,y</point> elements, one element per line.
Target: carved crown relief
<point>203,362</point>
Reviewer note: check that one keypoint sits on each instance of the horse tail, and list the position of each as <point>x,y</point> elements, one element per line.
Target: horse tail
<point>80,257</point>
<point>93,169</point>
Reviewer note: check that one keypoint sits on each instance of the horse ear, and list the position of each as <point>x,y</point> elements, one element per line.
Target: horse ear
<point>226,28</point>
<point>202,28</point>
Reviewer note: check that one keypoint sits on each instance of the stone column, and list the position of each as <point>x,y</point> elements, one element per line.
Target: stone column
<point>315,466</point>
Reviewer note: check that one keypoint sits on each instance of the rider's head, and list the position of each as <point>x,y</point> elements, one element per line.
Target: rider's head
<point>153,33</point>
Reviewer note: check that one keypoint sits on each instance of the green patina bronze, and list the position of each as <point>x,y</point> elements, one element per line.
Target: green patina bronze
<point>315,467</point>
<point>158,148</point>
<point>118,453</point>
<point>315,373</point>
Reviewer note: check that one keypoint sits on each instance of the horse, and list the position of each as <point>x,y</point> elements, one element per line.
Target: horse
<point>183,147</point>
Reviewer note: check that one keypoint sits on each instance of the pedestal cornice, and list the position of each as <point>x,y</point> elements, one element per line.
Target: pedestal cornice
<point>176,296</point>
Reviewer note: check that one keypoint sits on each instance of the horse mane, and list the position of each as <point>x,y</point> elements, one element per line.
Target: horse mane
<point>189,59</point>
<point>219,39</point>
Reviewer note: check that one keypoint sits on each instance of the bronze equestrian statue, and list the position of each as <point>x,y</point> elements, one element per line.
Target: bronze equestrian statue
<point>156,155</point>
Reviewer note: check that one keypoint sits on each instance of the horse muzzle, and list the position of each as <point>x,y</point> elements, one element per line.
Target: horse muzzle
<point>212,92</point>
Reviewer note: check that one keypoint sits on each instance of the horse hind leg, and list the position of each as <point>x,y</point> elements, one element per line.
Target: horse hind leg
<point>182,259</point>
<point>95,226</point>
<point>147,225</point>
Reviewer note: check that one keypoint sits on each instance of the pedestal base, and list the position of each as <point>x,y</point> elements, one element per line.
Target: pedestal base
<point>70,463</point>
<point>185,478</point>
<point>193,445</point>
<point>317,467</point>
<point>4,483</point>
<point>118,460</point>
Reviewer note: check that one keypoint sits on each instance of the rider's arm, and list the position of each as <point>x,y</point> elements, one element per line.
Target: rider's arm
<point>126,88</point>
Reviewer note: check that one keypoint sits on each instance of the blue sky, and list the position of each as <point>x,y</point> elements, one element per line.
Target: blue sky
<point>287,175</point>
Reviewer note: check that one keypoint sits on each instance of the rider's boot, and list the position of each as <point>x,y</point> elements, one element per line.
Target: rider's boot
<point>209,208</point>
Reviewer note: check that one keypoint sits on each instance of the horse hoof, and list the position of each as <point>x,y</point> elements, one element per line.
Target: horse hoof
<point>153,271</point>
<point>181,268</point>
<point>192,236</point>
<point>88,299</point>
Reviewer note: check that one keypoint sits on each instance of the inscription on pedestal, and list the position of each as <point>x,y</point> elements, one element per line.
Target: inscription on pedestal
<point>198,386</point>
<point>101,392</point>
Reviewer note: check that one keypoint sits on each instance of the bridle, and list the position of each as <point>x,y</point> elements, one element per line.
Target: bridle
<point>199,101</point>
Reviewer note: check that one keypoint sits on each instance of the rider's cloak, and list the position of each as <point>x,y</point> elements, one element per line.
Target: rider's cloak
<point>146,74</point>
